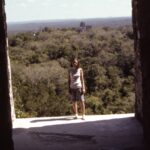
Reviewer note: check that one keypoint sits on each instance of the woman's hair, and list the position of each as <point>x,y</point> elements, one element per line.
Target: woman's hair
<point>72,60</point>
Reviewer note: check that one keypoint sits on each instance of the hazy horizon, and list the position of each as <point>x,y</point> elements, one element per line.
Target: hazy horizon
<point>69,19</point>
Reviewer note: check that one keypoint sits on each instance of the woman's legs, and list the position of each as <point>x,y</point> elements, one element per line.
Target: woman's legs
<point>82,109</point>
<point>75,108</point>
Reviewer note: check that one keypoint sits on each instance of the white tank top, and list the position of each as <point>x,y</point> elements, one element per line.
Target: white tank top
<point>75,78</point>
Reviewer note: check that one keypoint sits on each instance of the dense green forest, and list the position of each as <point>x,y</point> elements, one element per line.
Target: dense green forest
<point>40,63</point>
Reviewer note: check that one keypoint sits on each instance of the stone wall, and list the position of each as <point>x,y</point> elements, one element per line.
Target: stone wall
<point>138,73</point>
<point>141,26</point>
<point>6,141</point>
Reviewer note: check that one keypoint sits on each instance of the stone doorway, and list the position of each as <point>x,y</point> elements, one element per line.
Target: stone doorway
<point>141,26</point>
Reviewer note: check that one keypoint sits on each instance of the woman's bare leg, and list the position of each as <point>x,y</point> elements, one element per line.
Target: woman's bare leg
<point>75,108</point>
<point>82,109</point>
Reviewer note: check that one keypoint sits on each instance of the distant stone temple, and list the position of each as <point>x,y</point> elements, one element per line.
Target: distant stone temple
<point>83,27</point>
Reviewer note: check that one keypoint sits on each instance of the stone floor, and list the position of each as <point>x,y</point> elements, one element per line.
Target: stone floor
<point>97,132</point>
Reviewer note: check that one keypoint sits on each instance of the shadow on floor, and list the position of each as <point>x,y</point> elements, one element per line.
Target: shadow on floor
<point>52,119</point>
<point>113,134</point>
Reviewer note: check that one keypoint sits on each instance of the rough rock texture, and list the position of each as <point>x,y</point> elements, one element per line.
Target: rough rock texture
<point>141,26</point>
<point>13,116</point>
<point>138,73</point>
<point>5,112</point>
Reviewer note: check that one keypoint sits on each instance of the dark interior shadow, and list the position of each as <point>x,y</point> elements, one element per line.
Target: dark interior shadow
<point>114,134</point>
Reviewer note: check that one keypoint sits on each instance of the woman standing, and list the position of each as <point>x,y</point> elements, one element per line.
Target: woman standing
<point>77,87</point>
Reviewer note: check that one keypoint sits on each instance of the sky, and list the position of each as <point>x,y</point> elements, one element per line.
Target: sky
<point>30,10</point>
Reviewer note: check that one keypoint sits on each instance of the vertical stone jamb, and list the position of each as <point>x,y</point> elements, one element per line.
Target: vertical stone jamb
<point>6,142</point>
<point>141,25</point>
<point>13,116</point>
<point>138,73</point>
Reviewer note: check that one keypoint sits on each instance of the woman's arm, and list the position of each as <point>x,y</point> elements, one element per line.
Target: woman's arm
<point>82,80</point>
